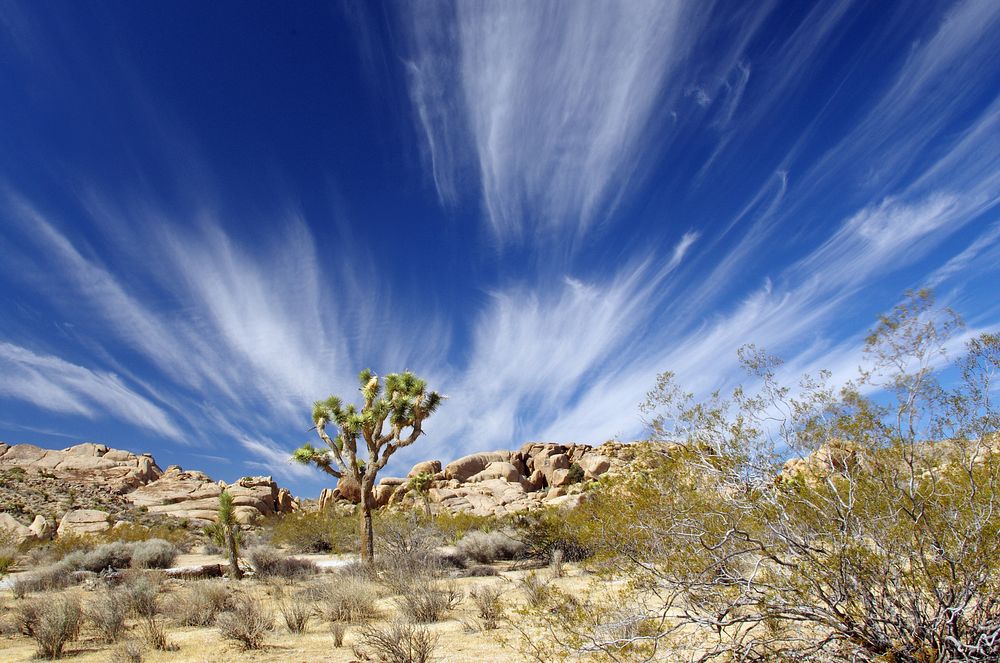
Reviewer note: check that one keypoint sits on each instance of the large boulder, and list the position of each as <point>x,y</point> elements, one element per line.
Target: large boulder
<point>497,470</point>
<point>41,529</point>
<point>348,489</point>
<point>594,465</point>
<point>13,531</point>
<point>426,467</point>
<point>84,521</point>
<point>467,466</point>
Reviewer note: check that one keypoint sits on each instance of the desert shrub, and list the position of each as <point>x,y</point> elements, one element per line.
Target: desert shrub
<point>153,554</point>
<point>268,562</point>
<point>480,571</point>
<point>556,564</point>
<point>171,532</point>
<point>107,612</point>
<point>315,532</point>
<point>423,601</point>
<point>348,599</point>
<point>405,547</point>
<point>488,547</point>
<point>864,515</point>
<point>8,558</point>
<point>116,555</point>
<point>129,651</point>
<point>201,602</point>
<point>576,473</point>
<point>489,606</point>
<point>546,530</point>
<point>56,576</point>
<point>64,544</point>
<point>296,614</point>
<point>247,624</point>
<point>52,624</point>
<point>536,589</point>
<point>453,526</point>
<point>396,643</point>
<point>142,594</point>
<point>337,630</point>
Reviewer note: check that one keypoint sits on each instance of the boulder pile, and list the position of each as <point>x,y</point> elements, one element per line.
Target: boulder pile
<point>538,474</point>
<point>110,483</point>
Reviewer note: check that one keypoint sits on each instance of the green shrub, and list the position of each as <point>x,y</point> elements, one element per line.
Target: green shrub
<point>315,532</point>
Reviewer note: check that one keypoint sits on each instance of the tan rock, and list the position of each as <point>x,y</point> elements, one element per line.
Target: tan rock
<point>467,466</point>
<point>41,528</point>
<point>566,501</point>
<point>284,502</point>
<point>349,489</point>
<point>594,465</point>
<point>84,521</point>
<point>428,466</point>
<point>497,470</point>
<point>11,529</point>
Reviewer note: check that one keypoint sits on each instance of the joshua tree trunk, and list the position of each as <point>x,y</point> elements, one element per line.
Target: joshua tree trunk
<point>234,566</point>
<point>367,527</point>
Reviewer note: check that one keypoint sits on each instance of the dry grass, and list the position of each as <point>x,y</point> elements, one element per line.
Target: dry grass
<point>247,624</point>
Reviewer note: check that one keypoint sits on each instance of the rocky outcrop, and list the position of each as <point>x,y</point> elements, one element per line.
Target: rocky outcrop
<point>122,483</point>
<point>193,495</point>
<point>498,482</point>
<point>121,471</point>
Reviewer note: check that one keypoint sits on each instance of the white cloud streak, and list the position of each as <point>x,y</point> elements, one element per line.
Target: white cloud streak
<point>554,99</point>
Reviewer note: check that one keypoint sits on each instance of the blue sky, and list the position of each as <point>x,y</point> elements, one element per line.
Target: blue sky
<point>212,214</point>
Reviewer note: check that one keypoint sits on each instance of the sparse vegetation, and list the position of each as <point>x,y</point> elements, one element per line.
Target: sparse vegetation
<point>248,623</point>
<point>348,599</point>
<point>423,600</point>
<point>270,563</point>
<point>397,642</point>
<point>316,532</point>
<point>199,604</point>
<point>488,547</point>
<point>107,612</point>
<point>489,605</point>
<point>52,623</point>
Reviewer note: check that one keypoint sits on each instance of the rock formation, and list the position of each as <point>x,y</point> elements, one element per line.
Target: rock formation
<point>499,482</point>
<point>112,483</point>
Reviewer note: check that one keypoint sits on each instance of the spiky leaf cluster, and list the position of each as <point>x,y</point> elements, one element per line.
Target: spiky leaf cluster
<point>390,417</point>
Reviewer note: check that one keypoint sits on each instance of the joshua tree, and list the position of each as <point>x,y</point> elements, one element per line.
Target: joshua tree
<point>421,484</point>
<point>391,418</point>
<point>230,532</point>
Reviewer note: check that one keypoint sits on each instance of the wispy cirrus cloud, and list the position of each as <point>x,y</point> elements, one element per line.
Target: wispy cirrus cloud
<point>56,385</point>
<point>547,102</point>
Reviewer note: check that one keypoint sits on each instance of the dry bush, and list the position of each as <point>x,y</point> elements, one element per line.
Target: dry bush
<point>480,571</point>
<point>203,600</point>
<point>153,554</point>
<point>337,630</point>
<point>489,607</point>
<point>155,636</point>
<point>8,558</point>
<point>488,547</point>
<point>107,613</point>
<point>56,576</point>
<point>536,589</point>
<point>51,623</point>
<point>126,652</point>
<point>347,599</point>
<point>247,624</point>
<point>268,562</point>
<point>556,564</point>
<point>423,601</point>
<point>296,614</point>
<point>142,592</point>
<point>396,643</point>
<point>406,548</point>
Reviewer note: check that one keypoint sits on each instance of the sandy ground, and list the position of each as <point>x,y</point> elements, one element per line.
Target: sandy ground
<point>204,645</point>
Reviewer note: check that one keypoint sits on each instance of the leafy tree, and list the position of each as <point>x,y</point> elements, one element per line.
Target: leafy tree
<point>812,523</point>
<point>390,418</point>
<point>230,529</point>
